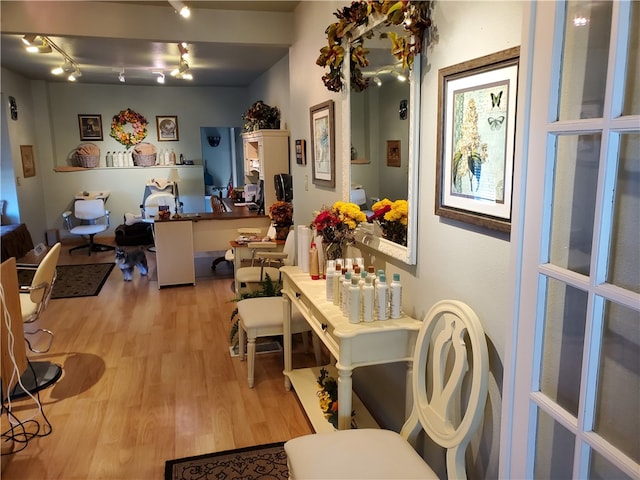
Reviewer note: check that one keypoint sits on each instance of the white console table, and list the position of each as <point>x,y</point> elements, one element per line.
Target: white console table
<point>352,345</point>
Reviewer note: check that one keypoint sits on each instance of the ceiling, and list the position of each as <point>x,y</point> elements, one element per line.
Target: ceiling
<point>101,57</point>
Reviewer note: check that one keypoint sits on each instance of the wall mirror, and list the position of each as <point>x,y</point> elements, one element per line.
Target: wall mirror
<point>383,144</point>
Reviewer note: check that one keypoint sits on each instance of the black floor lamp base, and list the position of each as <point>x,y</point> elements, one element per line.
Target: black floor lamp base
<point>37,376</point>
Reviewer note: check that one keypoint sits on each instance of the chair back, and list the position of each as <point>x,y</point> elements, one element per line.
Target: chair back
<point>217,206</point>
<point>154,200</point>
<point>441,358</point>
<point>290,248</point>
<point>89,209</point>
<point>45,277</point>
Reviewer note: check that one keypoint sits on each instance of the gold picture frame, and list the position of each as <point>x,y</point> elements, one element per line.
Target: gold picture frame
<point>167,127</point>
<point>90,126</point>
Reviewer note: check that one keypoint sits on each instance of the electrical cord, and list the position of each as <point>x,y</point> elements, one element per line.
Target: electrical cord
<point>21,431</point>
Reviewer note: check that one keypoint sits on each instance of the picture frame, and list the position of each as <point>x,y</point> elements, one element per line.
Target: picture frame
<point>476,136</point>
<point>28,161</point>
<point>323,157</point>
<point>90,126</point>
<point>167,128</point>
<point>393,153</point>
<point>301,152</point>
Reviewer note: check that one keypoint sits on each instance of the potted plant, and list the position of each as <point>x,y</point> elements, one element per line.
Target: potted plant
<point>281,214</point>
<point>261,116</point>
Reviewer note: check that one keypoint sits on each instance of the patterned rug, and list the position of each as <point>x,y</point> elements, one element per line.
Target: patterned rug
<point>74,280</point>
<point>260,462</point>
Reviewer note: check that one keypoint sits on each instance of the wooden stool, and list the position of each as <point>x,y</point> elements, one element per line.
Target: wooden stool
<point>263,317</point>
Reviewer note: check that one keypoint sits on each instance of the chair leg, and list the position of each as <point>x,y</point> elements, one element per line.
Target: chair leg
<point>241,341</point>
<point>43,330</point>
<point>251,359</point>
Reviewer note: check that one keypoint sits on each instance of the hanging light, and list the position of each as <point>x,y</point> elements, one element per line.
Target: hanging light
<point>181,8</point>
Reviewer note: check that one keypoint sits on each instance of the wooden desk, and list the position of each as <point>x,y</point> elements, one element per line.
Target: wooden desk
<point>178,239</point>
<point>352,345</point>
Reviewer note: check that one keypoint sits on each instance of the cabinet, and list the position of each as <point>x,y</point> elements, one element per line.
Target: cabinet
<point>266,152</point>
<point>174,253</point>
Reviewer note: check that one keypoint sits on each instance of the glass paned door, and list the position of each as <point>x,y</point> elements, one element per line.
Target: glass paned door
<point>578,340</point>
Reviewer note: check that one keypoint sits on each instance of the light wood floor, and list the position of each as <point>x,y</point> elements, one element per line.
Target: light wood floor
<point>148,377</point>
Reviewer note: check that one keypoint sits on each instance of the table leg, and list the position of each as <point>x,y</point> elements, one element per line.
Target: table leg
<point>344,397</point>
<point>286,335</point>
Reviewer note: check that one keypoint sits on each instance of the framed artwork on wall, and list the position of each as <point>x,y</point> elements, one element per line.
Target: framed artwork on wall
<point>393,153</point>
<point>301,152</point>
<point>90,127</point>
<point>476,135</point>
<point>167,126</point>
<point>323,156</point>
<point>28,162</point>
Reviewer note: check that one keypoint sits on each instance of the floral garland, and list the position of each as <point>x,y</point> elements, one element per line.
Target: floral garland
<point>328,398</point>
<point>336,225</point>
<point>413,15</point>
<point>137,121</point>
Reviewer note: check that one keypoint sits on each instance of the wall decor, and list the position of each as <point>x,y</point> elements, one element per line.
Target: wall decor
<point>476,134</point>
<point>136,122</point>
<point>90,127</point>
<point>13,106</point>
<point>301,152</point>
<point>323,144</point>
<point>28,162</point>
<point>393,153</point>
<point>167,128</point>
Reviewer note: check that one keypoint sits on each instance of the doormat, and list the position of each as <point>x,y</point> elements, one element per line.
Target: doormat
<point>72,281</point>
<point>260,462</point>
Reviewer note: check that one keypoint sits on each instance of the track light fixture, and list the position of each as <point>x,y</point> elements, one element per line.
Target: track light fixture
<point>46,45</point>
<point>181,8</point>
<point>377,81</point>
<point>182,71</point>
<point>160,75</point>
<point>121,76</point>
<point>183,48</point>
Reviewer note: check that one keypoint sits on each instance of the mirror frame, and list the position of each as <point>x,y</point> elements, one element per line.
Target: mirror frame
<point>365,233</point>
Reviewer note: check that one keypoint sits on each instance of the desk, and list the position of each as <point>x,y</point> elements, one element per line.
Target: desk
<point>352,345</point>
<point>178,239</point>
<point>240,253</point>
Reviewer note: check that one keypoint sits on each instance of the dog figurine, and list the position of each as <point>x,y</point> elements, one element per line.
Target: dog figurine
<point>128,260</point>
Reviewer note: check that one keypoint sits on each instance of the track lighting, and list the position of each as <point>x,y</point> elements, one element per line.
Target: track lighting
<point>181,8</point>
<point>184,50</point>
<point>160,78</point>
<point>43,47</point>
<point>121,76</point>
<point>377,81</point>
<point>46,45</point>
<point>182,71</point>
<point>28,39</point>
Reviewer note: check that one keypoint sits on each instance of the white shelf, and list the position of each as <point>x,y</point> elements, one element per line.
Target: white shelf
<point>305,383</point>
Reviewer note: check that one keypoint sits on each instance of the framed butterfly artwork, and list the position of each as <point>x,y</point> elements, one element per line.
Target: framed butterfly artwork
<point>476,136</point>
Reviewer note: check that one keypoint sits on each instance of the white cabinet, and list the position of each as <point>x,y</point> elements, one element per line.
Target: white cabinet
<point>174,253</point>
<point>266,152</point>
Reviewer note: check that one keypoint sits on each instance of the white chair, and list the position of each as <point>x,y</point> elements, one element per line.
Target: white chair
<point>34,298</point>
<point>265,260</point>
<point>151,206</point>
<point>229,254</point>
<point>263,317</point>
<point>441,359</point>
<point>93,218</point>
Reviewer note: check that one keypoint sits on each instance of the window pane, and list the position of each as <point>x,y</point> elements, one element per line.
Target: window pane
<point>574,198</point>
<point>554,449</point>
<point>584,59</point>
<point>601,469</point>
<point>618,400</point>
<point>624,260</point>
<point>632,86</point>
<point>565,316</point>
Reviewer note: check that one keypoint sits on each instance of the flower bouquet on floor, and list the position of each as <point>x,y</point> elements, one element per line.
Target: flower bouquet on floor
<point>393,219</point>
<point>336,225</point>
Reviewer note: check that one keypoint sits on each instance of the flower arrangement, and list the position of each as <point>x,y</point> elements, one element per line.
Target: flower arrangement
<point>138,123</point>
<point>261,116</point>
<point>413,15</point>
<point>328,397</point>
<point>281,213</point>
<point>393,218</point>
<point>336,225</point>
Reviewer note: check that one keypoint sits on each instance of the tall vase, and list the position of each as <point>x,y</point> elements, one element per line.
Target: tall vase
<point>282,230</point>
<point>332,250</point>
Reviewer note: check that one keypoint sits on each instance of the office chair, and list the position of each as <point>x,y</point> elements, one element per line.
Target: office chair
<point>154,198</point>
<point>34,298</point>
<point>89,213</point>
<point>217,206</point>
<point>450,336</point>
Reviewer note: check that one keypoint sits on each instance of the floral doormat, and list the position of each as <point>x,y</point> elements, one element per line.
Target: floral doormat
<point>263,461</point>
<point>74,280</point>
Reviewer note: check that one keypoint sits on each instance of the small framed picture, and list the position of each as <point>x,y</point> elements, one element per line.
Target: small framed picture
<point>393,153</point>
<point>301,152</point>
<point>323,156</point>
<point>28,162</point>
<point>90,127</point>
<point>167,128</point>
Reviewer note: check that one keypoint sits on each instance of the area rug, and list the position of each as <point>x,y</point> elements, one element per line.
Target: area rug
<point>260,462</point>
<point>74,280</point>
